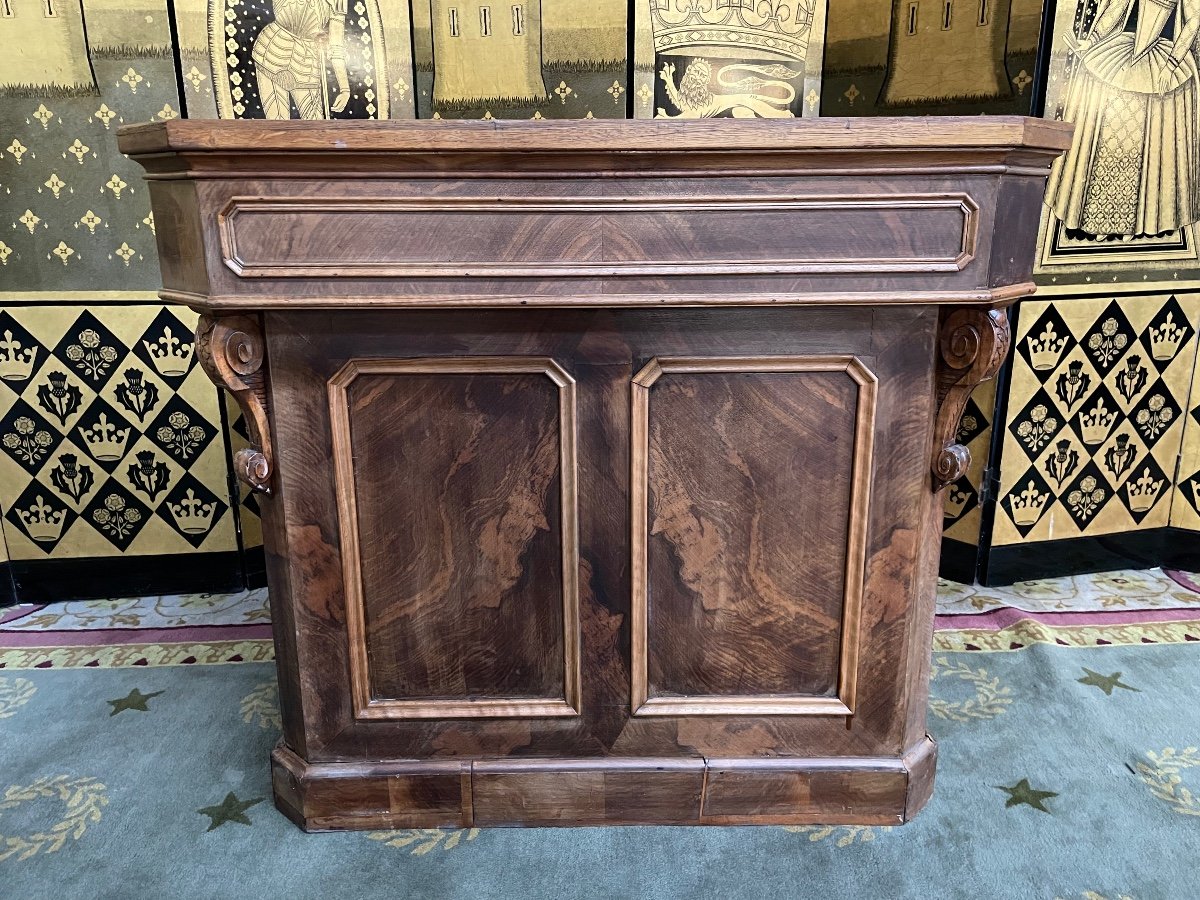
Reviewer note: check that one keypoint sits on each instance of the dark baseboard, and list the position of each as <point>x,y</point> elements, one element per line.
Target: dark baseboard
<point>49,580</point>
<point>255,561</point>
<point>8,591</point>
<point>1174,548</point>
<point>960,561</point>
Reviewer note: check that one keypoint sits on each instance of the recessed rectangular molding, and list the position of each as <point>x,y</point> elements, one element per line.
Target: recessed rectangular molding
<point>555,237</point>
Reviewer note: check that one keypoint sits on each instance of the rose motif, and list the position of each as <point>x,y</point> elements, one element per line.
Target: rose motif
<point>178,420</point>
<point>1038,414</point>
<point>43,439</point>
<point>1094,342</point>
<point>101,516</point>
<point>1120,341</point>
<point>11,441</point>
<point>24,425</point>
<point>1109,327</point>
<point>1024,429</point>
<point>196,433</point>
<point>132,515</point>
<point>74,353</point>
<point>1156,402</point>
<point>1088,484</point>
<point>108,354</point>
<point>89,338</point>
<point>165,434</point>
<point>114,502</point>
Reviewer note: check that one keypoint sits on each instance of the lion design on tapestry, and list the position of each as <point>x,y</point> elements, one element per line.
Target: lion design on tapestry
<point>695,99</point>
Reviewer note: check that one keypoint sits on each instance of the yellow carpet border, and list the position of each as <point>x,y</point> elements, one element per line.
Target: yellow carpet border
<point>1025,632</point>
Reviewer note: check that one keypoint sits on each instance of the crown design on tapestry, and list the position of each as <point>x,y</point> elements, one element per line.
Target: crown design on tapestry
<point>16,360</point>
<point>104,440</point>
<point>956,502</point>
<point>42,521</point>
<point>1095,423</point>
<point>1165,340</point>
<point>192,515</point>
<point>1026,507</point>
<point>765,29</point>
<point>1143,491</point>
<point>169,354</point>
<point>1045,348</point>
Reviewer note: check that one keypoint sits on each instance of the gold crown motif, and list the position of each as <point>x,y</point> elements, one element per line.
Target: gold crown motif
<point>1094,424</point>
<point>16,361</point>
<point>956,502</point>
<point>1027,506</point>
<point>1164,341</point>
<point>42,521</point>
<point>1143,492</point>
<point>758,29</point>
<point>1044,349</point>
<point>192,515</point>
<point>170,355</point>
<point>105,441</point>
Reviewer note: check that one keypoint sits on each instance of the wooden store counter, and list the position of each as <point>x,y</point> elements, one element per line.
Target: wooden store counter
<point>600,461</point>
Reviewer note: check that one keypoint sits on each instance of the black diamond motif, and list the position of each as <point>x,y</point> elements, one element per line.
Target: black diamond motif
<point>105,434</point>
<point>1191,491</point>
<point>192,510</point>
<point>41,516</point>
<point>1035,426</point>
<point>961,498</point>
<point>90,351</point>
<point>1155,414</point>
<point>1047,342</point>
<point>1110,337</point>
<point>20,353</point>
<point>1086,495</point>
<point>1145,486</point>
<point>1196,414</point>
<point>239,424</point>
<point>250,502</point>
<point>1028,501</point>
<point>972,424</point>
<point>1096,417</point>
<point>167,347</point>
<point>1167,334</point>
<point>116,514</point>
<point>181,431</point>
<point>27,436</point>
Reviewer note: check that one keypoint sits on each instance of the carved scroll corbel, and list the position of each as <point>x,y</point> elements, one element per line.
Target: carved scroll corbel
<point>232,352</point>
<point>972,344</point>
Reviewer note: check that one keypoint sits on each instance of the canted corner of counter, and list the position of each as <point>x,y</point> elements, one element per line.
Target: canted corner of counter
<point>599,463</point>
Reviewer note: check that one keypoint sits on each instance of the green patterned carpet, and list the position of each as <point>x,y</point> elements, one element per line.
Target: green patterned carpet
<point>1069,768</point>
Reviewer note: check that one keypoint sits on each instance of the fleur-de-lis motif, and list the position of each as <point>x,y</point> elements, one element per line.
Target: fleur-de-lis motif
<point>645,95</point>
<point>125,252</point>
<point>79,150</point>
<point>29,219</point>
<point>563,91</point>
<point>132,79</point>
<point>62,251</point>
<point>149,223</point>
<point>91,220</point>
<point>5,253</point>
<point>55,184</point>
<point>166,113</point>
<point>616,90</point>
<point>104,114</point>
<point>17,150</point>
<point>43,115</point>
<point>852,93</point>
<point>195,78</point>
<point>401,87</point>
<point>116,184</point>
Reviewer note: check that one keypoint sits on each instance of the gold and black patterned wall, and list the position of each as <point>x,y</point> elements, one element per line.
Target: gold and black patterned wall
<point>105,455</point>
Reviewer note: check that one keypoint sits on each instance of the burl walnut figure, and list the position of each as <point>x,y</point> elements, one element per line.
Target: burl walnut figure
<point>600,462</point>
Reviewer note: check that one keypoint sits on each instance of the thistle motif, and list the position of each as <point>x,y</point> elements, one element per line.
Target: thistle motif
<point>1072,384</point>
<point>1119,457</point>
<point>71,478</point>
<point>1062,463</point>
<point>59,398</point>
<point>137,395</point>
<point>148,475</point>
<point>1132,378</point>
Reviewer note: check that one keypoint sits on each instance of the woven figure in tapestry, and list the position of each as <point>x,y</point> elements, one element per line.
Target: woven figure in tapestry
<point>1132,94</point>
<point>290,57</point>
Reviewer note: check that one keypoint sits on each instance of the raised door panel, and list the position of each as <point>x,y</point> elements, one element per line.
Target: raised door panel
<point>750,485</point>
<point>456,486</point>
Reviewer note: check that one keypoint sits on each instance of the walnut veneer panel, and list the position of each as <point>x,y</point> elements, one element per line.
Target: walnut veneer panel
<point>599,467</point>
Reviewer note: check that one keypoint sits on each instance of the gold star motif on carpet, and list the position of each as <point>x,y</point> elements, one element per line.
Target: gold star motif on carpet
<point>1105,683</point>
<point>134,700</point>
<point>231,809</point>
<point>1022,792</point>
